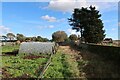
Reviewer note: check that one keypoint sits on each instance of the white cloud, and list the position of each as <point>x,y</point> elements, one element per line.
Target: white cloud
<point>69,5</point>
<point>105,6</point>
<point>49,18</point>
<point>65,5</point>
<point>44,27</point>
<point>52,19</point>
<point>70,31</point>
<point>51,26</point>
<point>4,30</point>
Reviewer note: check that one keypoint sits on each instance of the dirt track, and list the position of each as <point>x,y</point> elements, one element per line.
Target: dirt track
<point>68,50</point>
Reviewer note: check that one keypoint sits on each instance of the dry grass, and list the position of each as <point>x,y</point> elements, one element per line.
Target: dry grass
<point>92,65</point>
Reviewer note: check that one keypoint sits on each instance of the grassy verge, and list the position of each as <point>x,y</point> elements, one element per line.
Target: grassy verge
<point>98,67</point>
<point>62,66</point>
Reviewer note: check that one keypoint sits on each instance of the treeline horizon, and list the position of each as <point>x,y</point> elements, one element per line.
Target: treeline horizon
<point>58,36</point>
<point>22,37</point>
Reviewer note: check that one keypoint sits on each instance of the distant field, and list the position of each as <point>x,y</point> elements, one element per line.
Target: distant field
<point>9,48</point>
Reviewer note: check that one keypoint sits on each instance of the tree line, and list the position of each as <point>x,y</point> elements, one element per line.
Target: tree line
<point>22,38</point>
<point>58,36</point>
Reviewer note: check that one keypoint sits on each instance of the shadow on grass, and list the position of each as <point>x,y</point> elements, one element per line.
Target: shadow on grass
<point>97,66</point>
<point>13,53</point>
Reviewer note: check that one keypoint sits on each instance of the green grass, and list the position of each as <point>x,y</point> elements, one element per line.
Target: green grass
<point>9,48</point>
<point>55,69</point>
<point>83,65</point>
<point>62,67</point>
<point>72,65</point>
<point>17,66</point>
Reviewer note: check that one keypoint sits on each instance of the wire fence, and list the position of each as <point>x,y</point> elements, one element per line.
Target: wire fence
<point>45,67</point>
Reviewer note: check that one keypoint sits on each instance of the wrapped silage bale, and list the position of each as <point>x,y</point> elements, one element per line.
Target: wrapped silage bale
<point>37,47</point>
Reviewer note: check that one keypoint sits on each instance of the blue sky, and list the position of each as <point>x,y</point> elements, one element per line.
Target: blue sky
<point>44,18</point>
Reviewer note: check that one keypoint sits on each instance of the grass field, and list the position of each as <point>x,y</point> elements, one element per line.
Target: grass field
<point>9,48</point>
<point>62,65</point>
<point>15,66</point>
<point>21,66</point>
<point>70,63</point>
<point>66,63</point>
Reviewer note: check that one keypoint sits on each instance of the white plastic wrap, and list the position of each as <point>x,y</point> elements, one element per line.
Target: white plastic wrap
<point>37,47</point>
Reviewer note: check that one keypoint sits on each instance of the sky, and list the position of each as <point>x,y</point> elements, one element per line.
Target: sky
<point>45,18</point>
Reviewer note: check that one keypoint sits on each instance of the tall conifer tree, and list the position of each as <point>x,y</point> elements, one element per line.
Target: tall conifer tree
<point>88,22</point>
